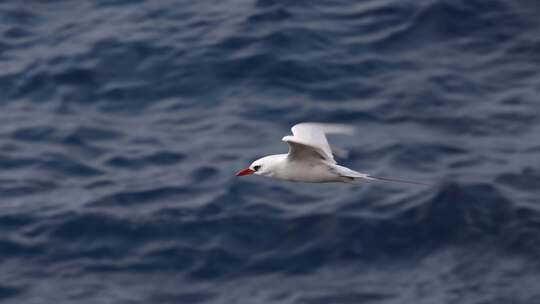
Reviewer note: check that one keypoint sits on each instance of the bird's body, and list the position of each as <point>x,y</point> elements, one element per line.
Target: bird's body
<point>310,158</point>
<point>298,170</point>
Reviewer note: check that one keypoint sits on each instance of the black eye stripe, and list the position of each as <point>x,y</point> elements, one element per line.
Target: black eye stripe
<point>256,168</point>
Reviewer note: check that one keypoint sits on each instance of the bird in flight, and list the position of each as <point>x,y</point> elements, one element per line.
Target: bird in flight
<point>310,158</point>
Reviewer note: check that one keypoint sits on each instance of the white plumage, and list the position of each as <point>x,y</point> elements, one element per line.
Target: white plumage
<point>310,158</point>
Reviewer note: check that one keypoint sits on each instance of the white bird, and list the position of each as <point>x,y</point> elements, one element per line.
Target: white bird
<point>310,158</point>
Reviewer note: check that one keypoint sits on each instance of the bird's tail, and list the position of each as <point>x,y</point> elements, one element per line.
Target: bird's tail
<point>396,180</point>
<point>352,176</point>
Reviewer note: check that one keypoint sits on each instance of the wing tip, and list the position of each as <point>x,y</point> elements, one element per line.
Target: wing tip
<point>287,138</point>
<point>329,128</point>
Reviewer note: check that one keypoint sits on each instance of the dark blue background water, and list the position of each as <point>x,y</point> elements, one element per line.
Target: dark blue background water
<point>122,124</point>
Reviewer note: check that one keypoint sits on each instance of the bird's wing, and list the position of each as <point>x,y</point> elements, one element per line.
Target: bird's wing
<point>309,140</point>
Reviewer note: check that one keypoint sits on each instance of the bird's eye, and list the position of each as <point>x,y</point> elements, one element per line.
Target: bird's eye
<point>256,167</point>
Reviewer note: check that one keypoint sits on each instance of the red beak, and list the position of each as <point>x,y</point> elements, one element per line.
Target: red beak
<point>245,172</point>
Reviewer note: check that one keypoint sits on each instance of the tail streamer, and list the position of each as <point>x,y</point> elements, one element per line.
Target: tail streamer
<point>395,180</point>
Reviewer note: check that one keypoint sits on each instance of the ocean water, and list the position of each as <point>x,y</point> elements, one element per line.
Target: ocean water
<point>122,124</point>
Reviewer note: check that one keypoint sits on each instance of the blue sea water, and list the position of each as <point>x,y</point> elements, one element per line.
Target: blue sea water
<point>122,124</point>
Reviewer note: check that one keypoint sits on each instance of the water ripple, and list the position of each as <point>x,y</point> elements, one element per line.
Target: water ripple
<point>123,125</point>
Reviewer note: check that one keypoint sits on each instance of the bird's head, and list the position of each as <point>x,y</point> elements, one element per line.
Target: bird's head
<point>262,166</point>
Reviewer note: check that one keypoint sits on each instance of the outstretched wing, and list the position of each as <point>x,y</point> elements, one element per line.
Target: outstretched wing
<point>309,140</point>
